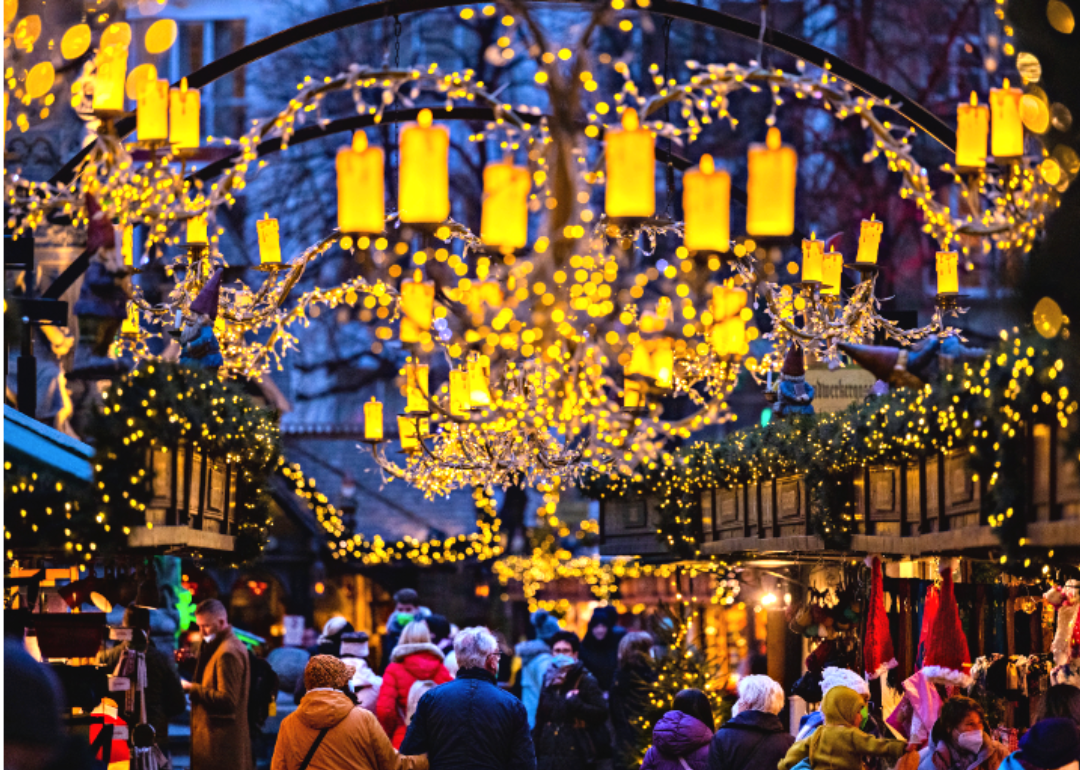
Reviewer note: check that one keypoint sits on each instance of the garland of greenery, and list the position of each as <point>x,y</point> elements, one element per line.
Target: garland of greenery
<point>156,406</point>
<point>982,409</point>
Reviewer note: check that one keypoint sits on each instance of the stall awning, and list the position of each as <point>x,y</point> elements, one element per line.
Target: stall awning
<point>34,445</point>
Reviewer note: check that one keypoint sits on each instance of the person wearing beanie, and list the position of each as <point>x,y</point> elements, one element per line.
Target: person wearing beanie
<point>840,744</point>
<point>164,693</point>
<point>833,676</point>
<point>535,656</point>
<point>328,643</point>
<point>1050,744</point>
<point>959,741</point>
<point>600,647</point>
<point>331,729</point>
<point>365,684</point>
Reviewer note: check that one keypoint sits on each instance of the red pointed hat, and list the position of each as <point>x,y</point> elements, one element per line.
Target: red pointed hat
<point>833,241</point>
<point>99,230</point>
<point>793,362</point>
<point>878,656</point>
<point>947,658</point>
<point>207,301</point>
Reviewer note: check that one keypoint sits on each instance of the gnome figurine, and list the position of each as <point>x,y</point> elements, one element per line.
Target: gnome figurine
<point>102,302</point>
<point>795,395</point>
<point>913,367</point>
<point>199,344</point>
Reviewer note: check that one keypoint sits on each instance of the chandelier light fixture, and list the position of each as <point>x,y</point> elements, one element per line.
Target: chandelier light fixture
<point>569,347</point>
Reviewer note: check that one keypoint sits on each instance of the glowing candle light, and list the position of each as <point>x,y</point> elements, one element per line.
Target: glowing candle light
<point>729,337</point>
<point>948,282</point>
<point>196,231</point>
<point>424,176</point>
<point>184,105</point>
<point>504,219</point>
<point>633,393</point>
<point>269,240</point>
<point>1007,127</point>
<point>361,203</point>
<point>480,380</point>
<point>416,388</point>
<point>869,240</point>
<point>832,270</point>
<point>460,403</point>
<point>707,204</point>
<point>152,115</point>
<point>813,261</point>
<point>630,169</point>
<point>130,324</point>
<point>727,301</point>
<point>373,420</point>
<point>663,362</point>
<point>972,127</point>
<point>109,79</point>
<point>411,429</point>
<point>127,245</point>
<point>770,189</point>
<point>417,307</point>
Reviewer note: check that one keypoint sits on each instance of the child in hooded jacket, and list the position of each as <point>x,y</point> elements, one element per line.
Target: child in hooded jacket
<point>839,744</point>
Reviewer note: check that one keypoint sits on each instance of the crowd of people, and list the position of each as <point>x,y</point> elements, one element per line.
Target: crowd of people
<point>451,699</point>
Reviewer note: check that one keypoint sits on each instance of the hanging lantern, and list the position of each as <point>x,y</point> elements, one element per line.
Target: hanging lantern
<point>707,205</point>
<point>832,271</point>
<point>630,169</point>
<point>152,115</point>
<point>416,388</point>
<point>269,240</point>
<point>460,403</point>
<point>947,280</point>
<point>869,241</point>
<point>813,259</point>
<point>972,127</point>
<point>373,420</point>
<point>424,176</point>
<point>109,80</point>
<point>770,189</point>
<point>480,380</point>
<point>411,430</point>
<point>1007,127</point>
<point>361,203</point>
<point>196,231</point>
<point>417,307</point>
<point>184,133</point>
<point>633,394</point>
<point>504,219</point>
<point>130,325</point>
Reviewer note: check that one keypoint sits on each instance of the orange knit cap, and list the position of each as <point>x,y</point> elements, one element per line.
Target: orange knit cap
<point>327,671</point>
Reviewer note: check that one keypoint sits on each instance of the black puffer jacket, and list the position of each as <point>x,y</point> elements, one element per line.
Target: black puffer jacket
<point>571,733</point>
<point>629,700</point>
<point>752,740</point>
<point>471,724</point>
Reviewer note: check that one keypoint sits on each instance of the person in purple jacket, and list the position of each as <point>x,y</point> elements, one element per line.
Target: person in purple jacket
<point>682,736</point>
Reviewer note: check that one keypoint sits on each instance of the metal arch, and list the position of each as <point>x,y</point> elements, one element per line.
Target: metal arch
<point>908,108</point>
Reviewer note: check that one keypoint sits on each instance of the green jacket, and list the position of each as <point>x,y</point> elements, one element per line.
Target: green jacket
<point>839,744</point>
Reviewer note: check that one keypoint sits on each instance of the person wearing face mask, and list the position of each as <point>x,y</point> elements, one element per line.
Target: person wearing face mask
<point>571,731</point>
<point>219,694</point>
<point>406,609</point>
<point>959,740</point>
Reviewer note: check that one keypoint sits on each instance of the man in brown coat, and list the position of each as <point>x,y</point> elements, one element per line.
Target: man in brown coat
<point>219,695</point>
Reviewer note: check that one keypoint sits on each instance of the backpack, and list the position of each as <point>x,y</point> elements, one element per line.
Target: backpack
<point>263,692</point>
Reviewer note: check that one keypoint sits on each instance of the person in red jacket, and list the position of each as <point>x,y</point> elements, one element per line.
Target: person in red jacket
<point>415,659</point>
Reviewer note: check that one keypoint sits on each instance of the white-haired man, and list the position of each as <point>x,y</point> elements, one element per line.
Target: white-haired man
<point>470,723</point>
<point>754,738</point>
